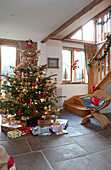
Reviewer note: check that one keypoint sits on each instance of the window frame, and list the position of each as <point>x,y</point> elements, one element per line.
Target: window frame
<point>9,44</point>
<point>72,60</point>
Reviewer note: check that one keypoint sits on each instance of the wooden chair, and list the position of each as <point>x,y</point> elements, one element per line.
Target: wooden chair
<point>95,110</point>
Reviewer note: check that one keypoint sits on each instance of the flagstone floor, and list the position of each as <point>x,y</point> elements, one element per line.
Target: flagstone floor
<point>85,147</point>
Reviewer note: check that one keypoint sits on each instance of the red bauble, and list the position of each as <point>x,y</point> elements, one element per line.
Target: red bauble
<point>46,89</point>
<point>33,84</point>
<point>16,90</point>
<point>43,67</point>
<point>43,94</point>
<point>4,105</point>
<point>19,112</point>
<point>22,100</point>
<point>20,73</point>
<point>40,82</point>
<point>5,91</point>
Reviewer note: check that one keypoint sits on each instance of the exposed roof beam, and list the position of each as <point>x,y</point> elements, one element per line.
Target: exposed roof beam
<point>72,19</point>
<point>73,32</point>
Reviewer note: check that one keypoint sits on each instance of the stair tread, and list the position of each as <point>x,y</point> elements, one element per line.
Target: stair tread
<point>79,107</point>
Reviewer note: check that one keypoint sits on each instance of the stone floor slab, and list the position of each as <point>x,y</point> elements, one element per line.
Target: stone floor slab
<point>92,142</point>
<point>42,142</point>
<point>31,161</point>
<point>81,163</point>
<point>64,152</point>
<point>16,146</point>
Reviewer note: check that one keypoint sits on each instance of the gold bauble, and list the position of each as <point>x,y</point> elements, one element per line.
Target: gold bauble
<point>5,81</point>
<point>14,82</point>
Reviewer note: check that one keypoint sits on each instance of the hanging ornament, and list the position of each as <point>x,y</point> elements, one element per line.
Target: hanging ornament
<point>19,73</point>
<point>19,112</point>
<point>37,79</point>
<point>26,74</point>
<point>45,108</point>
<point>42,100</point>
<point>22,100</point>
<point>16,90</point>
<point>43,94</point>
<point>33,84</point>
<point>30,102</point>
<point>39,92</point>
<point>5,81</point>
<point>40,82</point>
<point>14,82</point>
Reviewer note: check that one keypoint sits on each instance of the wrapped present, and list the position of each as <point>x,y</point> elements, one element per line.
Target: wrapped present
<point>26,130</point>
<point>95,101</point>
<point>57,127</point>
<point>14,134</point>
<point>41,131</point>
<point>6,127</point>
<point>45,122</point>
<point>62,121</point>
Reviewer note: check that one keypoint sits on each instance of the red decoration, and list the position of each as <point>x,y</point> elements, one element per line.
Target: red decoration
<point>46,89</point>
<point>43,68</point>
<point>74,65</point>
<point>19,112</point>
<point>93,89</point>
<point>26,130</point>
<point>95,101</point>
<point>43,94</point>
<point>22,100</point>
<point>29,44</point>
<point>20,73</point>
<point>5,91</point>
<point>16,90</point>
<point>4,105</point>
<point>41,73</point>
<point>30,102</point>
<point>40,82</point>
<point>33,84</point>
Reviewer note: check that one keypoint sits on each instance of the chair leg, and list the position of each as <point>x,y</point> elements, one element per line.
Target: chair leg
<point>86,119</point>
<point>102,118</point>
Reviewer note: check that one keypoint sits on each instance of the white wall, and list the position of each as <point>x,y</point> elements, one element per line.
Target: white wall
<point>53,49</point>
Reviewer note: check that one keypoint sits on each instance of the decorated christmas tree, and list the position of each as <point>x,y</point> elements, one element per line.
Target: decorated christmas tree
<point>29,93</point>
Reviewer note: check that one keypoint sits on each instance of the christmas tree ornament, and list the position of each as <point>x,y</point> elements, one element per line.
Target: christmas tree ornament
<point>14,82</point>
<point>19,112</point>
<point>5,81</point>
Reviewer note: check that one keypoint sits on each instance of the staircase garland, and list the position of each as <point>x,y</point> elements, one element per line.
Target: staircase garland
<point>105,52</point>
<point>104,22</point>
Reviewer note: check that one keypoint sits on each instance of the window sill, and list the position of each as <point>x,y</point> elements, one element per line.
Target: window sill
<point>63,83</point>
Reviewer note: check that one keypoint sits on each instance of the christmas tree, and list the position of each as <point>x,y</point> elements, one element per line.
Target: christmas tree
<point>28,91</point>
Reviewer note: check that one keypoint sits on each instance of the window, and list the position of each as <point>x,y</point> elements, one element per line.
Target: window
<point>103,25</point>
<point>77,35</point>
<point>8,57</point>
<point>86,32</point>
<point>69,56</point>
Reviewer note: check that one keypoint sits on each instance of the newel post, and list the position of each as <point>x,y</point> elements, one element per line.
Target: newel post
<point>90,79</point>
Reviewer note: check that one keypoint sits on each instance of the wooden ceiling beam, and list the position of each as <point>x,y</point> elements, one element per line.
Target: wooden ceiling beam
<point>72,19</point>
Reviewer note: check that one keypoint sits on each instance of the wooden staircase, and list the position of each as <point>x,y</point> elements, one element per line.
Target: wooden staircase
<point>99,75</point>
<point>75,105</point>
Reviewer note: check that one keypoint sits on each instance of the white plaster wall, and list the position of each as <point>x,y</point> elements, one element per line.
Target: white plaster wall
<point>53,49</point>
